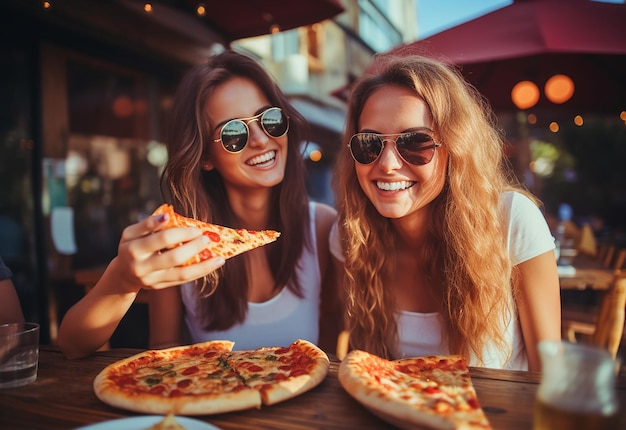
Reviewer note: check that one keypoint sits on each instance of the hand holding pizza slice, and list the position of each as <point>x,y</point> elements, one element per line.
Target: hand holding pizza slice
<point>223,241</point>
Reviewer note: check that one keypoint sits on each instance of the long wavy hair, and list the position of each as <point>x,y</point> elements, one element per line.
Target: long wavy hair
<point>200,194</point>
<point>468,262</point>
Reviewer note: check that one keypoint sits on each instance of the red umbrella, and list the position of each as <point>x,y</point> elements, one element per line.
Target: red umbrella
<point>236,19</point>
<point>534,40</point>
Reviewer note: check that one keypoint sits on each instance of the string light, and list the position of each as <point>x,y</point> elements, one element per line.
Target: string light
<point>147,7</point>
<point>525,94</point>
<point>559,89</point>
<point>201,10</point>
<point>578,120</point>
<point>554,126</point>
<point>46,5</point>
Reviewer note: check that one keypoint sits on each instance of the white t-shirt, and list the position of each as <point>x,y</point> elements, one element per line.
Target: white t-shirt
<point>279,321</point>
<point>528,236</point>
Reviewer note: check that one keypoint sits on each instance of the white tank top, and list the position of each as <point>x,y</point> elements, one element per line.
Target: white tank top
<point>279,321</point>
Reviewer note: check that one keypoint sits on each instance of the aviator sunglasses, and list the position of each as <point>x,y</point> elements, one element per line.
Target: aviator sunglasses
<point>417,148</point>
<point>234,134</point>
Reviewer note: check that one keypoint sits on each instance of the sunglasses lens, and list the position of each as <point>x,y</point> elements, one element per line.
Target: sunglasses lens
<point>365,147</point>
<point>416,148</point>
<point>274,122</point>
<point>234,135</point>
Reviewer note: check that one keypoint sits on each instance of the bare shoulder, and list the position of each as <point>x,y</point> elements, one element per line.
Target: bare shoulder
<point>325,216</point>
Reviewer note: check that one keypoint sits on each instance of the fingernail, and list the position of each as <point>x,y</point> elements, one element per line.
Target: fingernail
<point>162,218</point>
<point>205,239</point>
<point>220,261</point>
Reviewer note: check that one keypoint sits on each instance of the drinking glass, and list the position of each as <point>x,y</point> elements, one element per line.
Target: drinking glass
<point>19,354</point>
<point>577,389</point>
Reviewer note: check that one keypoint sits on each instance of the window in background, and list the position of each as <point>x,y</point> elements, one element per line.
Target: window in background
<point>375,28</point>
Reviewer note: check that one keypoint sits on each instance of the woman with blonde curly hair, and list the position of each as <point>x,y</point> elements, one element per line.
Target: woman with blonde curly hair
<point>444,253</point>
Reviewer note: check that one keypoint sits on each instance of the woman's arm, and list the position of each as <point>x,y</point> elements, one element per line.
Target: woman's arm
<point>139,264</point>
<point>539,303</point>
<point>10,308</point>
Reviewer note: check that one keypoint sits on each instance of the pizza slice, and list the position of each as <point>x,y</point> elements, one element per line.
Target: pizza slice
<point>280,373</point>
<point>223,241</point>
<point>435,391</point>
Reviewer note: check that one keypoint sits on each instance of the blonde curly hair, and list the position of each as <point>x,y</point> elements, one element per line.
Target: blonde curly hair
<point>468,261</point>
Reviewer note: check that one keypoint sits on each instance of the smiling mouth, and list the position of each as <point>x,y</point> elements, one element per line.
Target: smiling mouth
<point>262,160</point>
<point>394,186</point>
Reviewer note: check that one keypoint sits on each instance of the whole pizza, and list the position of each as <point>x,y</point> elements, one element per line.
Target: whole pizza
<point>209,378</point>
<point>433,391</point>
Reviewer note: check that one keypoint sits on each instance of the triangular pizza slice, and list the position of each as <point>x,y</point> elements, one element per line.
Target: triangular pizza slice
<point>223,241</point>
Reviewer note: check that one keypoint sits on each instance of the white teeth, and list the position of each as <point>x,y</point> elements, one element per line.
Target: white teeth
<point>262,159</point>
<point>394,186</point>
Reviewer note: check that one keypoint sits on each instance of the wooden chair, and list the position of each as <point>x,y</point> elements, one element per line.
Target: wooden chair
<point>602,249</point>
<point>607,330</point>
<point>620,259</point>
<point>608,256</point>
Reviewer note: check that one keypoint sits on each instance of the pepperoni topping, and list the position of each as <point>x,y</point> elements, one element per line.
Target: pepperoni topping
<point>431,390</point>
<point>190,370</point>
<point>184,383</point>
<point>157,389</point>
<point>254,368</point>
<point>214,237</point>
<point>123,380</point>
<point>205,255</point>
<point>297,372</point>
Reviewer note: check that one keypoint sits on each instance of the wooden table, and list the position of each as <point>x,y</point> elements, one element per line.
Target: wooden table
<point>590,274</point>
<point>63,398</point>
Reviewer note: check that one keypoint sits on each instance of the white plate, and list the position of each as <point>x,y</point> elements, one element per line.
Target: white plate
<point>145,421</point>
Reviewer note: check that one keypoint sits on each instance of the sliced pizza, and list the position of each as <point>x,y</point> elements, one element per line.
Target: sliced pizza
<point>281,373</point>
<point>433,391</point>
<point>209,378</point>
<point>223,241</point>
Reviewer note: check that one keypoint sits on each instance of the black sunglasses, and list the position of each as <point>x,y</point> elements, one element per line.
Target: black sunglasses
<point>416,148</point>
<point>235,133</point>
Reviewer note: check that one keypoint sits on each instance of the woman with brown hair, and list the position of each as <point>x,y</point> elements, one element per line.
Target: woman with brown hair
<point>444,253</point>
<point>234,160</point>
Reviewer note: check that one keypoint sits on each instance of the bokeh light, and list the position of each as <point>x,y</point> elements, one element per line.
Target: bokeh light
<point>525,94</point>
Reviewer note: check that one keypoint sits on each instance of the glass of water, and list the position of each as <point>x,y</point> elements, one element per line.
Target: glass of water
<point>19,354</point>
